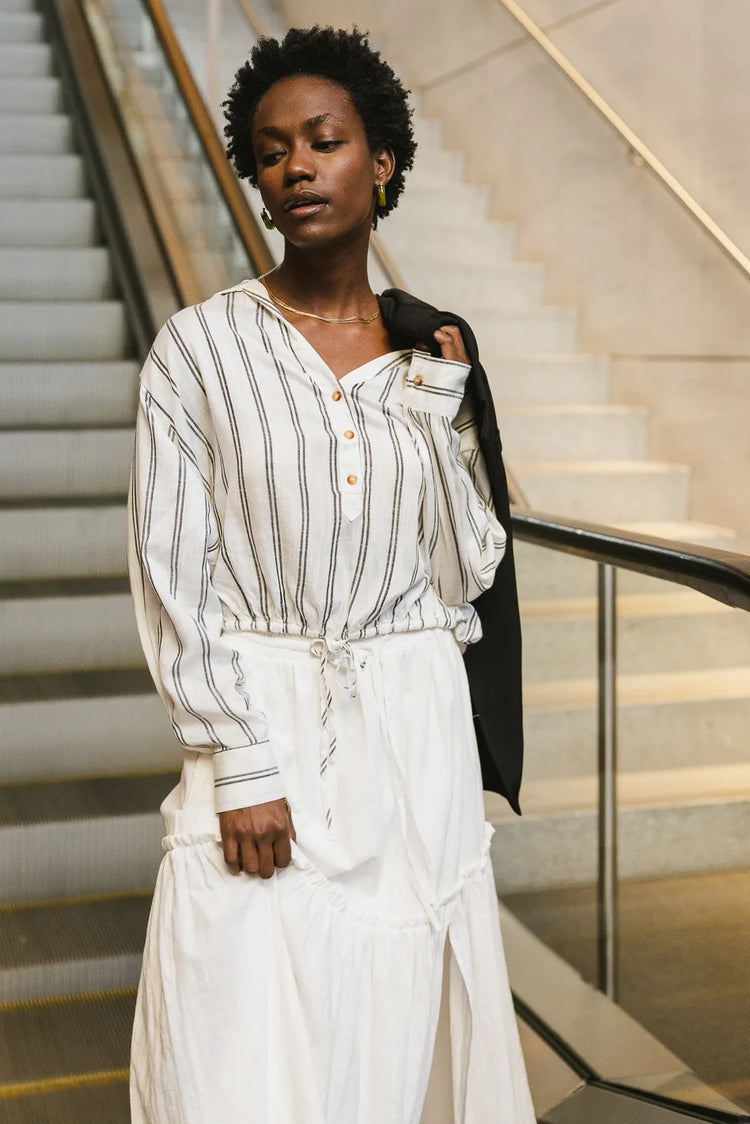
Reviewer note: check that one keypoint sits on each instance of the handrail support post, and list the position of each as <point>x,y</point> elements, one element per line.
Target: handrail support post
<point>607,884</point>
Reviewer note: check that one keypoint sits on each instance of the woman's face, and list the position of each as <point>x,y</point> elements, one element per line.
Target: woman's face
<point>316,172</point>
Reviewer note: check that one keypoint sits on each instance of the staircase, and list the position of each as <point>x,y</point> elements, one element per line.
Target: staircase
<point>684,659</point>
<point>85,753</point>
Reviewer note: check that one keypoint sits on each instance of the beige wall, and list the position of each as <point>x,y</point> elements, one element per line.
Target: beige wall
<point>651,288</point>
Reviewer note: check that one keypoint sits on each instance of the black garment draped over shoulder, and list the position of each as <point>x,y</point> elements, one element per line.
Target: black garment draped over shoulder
<point>493,664</point>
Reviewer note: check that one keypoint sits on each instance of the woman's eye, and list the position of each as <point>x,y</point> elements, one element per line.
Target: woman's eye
<point>270,158</point>
<point>327,145</point>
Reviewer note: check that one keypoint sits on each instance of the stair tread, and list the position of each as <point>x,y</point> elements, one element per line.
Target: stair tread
<point>82,1035</point>
<point>25,805</point>
<point>599,467</point>
<point>642,690</point>
<point>16,503</point>
<point>656,788</point>
<point>39,932</point>
<point>63,588</point>
<point>680,602</point>
<point>585,409</point>
<point>90,1097</point>
<point>56,686</point>
<point>679,531</point>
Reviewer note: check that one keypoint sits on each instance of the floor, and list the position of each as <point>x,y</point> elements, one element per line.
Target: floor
<point>684,963</point>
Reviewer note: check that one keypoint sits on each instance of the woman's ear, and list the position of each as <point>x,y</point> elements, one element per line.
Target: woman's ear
<point>384,164</point>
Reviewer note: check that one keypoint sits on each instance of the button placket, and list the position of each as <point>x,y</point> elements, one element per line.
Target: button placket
<point>349,459</point>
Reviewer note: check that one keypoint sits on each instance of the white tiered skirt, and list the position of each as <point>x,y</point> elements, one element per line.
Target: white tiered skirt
<point>313,997</point>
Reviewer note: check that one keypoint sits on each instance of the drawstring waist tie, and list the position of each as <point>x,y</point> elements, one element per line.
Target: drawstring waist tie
<point>340,663</point>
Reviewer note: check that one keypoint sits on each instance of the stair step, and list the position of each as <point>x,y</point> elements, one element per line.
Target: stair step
<point>20,26</point>
<point>34,176</point>
<point>57,462</point>
<point>68,632</point>
<point>607,491</point>
<point>544,329</point>
<point>48,222</point>
<point>62,331</point>
<point>65,541</point>
<point>86,734</point>
<point>68,394</point>
<point>546,380</point>
<point>53,541</point>
<point>25,60</point>
<point>69,838</point>
<point>70,1043</point>
<point>674,821</point>
<point>463,205</point>
<point>88,1097</point>
<point>71,947</point>
<point>30,95</point>
<point>436,165</point>
<point>669,631</point>
<point>57,274</point>
<point>428,131</point>
<point>504,285</point>
<point>414,244</point>
<point>35,133</point>
<point>673,719</point>
<point>546,433</point>
<point>544,573</point>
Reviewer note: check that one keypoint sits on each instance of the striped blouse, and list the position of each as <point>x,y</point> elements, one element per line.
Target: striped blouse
<point>268,495</point>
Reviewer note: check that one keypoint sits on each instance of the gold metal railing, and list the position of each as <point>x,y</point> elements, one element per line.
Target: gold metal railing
<point>641,150</point>
<point>242,216</point>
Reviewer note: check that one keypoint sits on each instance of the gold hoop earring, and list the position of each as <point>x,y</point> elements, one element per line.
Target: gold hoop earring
<point>381,195</point>
<point>268,222</point>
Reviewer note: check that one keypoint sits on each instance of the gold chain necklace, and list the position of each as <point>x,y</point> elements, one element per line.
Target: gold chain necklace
<point>314,315</point>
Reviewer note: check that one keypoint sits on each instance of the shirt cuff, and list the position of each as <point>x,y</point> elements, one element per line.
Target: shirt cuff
<point>246,776</point>
<point>435,385</point>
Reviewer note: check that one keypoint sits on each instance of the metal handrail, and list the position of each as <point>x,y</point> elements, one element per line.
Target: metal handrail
<point>683,196</point>
<point>720,574</point>
<point>243,218</point>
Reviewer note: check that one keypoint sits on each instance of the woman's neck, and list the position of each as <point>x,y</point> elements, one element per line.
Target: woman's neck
<point>331,284</point>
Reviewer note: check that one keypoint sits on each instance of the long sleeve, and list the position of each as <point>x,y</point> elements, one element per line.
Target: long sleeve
<point>464,542</point>
<point>173,538</point>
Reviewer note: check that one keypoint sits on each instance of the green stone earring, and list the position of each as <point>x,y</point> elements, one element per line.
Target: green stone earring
<point>268,222</point>
<point>381,195</point>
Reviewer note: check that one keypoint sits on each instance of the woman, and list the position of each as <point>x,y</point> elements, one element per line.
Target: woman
<point>308,532</point>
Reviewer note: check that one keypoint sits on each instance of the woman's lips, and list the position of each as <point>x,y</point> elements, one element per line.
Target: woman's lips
<point>303,209</point>
<point>305,205</point>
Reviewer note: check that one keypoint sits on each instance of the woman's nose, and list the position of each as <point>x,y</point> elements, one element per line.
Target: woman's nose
<point>300,165</point>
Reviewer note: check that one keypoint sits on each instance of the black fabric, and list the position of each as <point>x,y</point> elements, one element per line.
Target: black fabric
<point>493,664</point>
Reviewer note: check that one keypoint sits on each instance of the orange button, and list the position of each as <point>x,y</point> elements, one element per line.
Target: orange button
<point>417,380</point>
<point>348,434</point>
<point>336,395</point>
<point>351,479</point>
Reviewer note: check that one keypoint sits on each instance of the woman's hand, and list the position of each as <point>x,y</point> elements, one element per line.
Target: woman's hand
<point>451,343</point>
<point>256,839</point>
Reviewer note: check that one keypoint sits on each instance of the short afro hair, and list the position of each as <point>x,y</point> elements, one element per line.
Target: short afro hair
<point>344,57</point>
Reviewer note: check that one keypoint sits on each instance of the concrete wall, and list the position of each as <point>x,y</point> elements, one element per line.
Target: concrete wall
<point>652,289</point>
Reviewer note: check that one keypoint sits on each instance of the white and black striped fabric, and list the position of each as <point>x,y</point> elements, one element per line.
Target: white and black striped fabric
<point>269,496</point>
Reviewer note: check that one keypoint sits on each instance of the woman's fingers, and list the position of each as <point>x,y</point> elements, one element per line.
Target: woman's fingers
<point>282,851</point>
<point>256,840</point>
<point>231,849</point>
<point>451,343</point>
<point>266,864</point>
<point>249,857</point>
